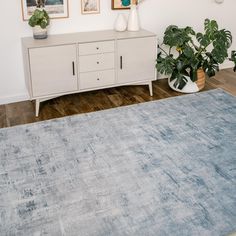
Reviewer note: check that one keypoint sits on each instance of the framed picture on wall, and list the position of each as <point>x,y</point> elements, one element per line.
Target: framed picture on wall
<point>55,8</point>
<point>122,4</point>
<point>90,6</point>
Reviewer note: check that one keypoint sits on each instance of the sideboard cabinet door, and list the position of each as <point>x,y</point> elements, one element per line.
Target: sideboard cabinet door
<point>136,59</point>
<point>53,70</point>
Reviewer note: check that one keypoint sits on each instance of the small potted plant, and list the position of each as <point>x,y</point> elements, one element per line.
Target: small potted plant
<point>191,56</point>
<point>39,20</point>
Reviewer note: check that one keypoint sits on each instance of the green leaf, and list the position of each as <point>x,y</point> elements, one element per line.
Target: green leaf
<point>39,17</point>
<point>43,24</point>
<point>210,27</point>
<point>199,37</point>
<point>188,30</point>
<point>188,52</point>
<point>177,37</point>
<point>180,82</point>
<point>193,74</point>
<point>165,65</point>
<point>204,40</point>
<point>173,75</point>
<point>222,37</point>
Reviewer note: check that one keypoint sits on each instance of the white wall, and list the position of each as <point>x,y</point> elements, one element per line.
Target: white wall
<point>155,15</point>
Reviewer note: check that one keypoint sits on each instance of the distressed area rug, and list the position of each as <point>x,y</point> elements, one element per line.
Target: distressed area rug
<point>159,168</point>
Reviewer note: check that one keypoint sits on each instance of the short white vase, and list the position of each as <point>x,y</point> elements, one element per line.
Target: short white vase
<point>120,23</point>
<point>133,21</point>
<point>39,33</point>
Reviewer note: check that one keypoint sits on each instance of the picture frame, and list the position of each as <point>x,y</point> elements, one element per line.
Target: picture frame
<point>54,8</point>
<point>90,7</point>
<point>122,4</point>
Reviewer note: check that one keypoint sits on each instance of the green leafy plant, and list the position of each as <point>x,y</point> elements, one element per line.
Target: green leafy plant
<point>39,17</point>
<point>193,51</point>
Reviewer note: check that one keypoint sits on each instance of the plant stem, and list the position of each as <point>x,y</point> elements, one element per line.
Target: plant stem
<point>163,51</point>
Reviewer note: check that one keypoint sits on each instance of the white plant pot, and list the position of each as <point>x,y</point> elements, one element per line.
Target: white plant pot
<point>120,23</point>
<point>190,87</point>
<point>133,21</point>
<point>39,33</point>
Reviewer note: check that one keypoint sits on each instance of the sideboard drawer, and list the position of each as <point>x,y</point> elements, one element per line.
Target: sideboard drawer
<point>96,79</point>
<point>96,62</point>
<point>97,47</point>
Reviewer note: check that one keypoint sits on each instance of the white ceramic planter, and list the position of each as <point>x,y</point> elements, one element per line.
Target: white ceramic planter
<point>190,87</point>
<point>39,33</point>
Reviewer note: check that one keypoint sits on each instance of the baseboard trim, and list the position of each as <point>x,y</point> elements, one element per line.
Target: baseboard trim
<point>226,65</point>
<point>12,99</point>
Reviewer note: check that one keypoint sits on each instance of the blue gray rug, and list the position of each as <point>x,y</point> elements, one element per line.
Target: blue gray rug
<point>159,168</point>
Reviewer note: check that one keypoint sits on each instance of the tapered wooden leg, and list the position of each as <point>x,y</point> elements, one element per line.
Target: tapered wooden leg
<point>150,88</point>
<point>37,105</point>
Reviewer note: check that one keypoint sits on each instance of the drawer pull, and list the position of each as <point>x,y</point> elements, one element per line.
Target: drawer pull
<point>98,79</point>
<point>73,67</point>
<point>97,48</point>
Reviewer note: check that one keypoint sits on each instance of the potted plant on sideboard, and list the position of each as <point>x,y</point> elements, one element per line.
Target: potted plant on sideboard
<point>39,20</point>
<point>192,56</point>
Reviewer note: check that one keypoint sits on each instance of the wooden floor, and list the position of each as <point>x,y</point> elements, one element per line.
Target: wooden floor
<point>24,112</point>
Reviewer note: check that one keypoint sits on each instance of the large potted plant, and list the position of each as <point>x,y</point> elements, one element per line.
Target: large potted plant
<point>39,20</point>
<point>187,56</point>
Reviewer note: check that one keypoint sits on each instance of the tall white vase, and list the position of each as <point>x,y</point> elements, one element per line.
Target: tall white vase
<point>133,22</point>
<point>120,23</point>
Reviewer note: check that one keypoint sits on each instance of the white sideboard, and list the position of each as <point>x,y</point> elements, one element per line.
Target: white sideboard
<point>79,62</point>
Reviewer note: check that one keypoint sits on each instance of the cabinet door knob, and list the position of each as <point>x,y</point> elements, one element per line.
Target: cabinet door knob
<point>97,48</point>
<point>97,62</point>
<point>98,79</point>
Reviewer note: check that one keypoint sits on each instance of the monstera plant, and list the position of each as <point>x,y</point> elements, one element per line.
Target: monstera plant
<point>184,52</point>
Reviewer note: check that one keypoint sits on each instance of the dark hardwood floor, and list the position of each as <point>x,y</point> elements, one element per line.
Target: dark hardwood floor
<point>24,112</point>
